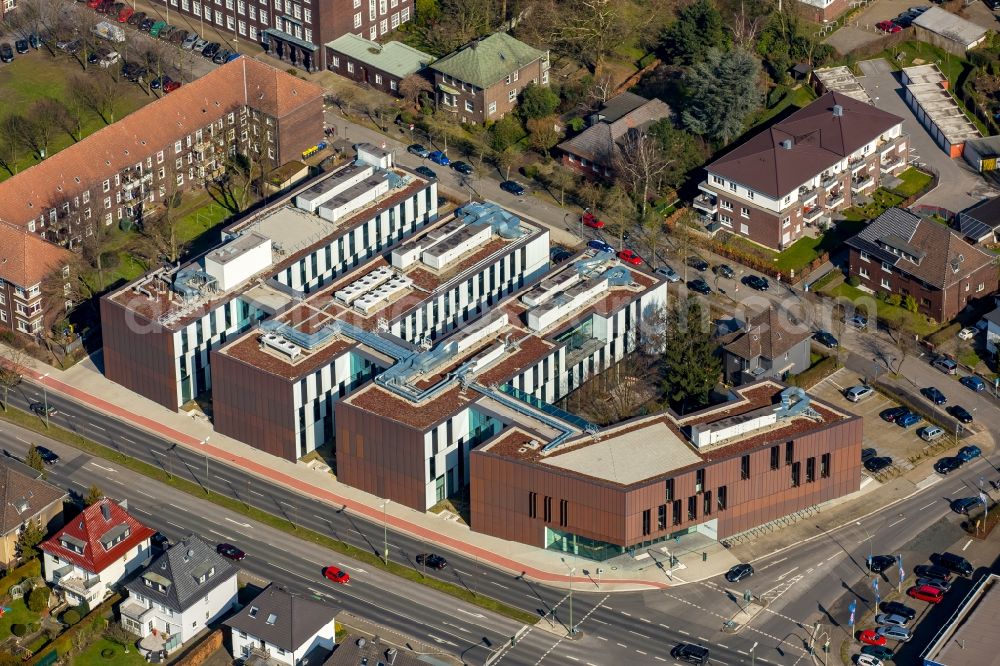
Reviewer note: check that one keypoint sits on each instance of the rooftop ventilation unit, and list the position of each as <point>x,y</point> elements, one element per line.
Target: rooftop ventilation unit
<point>362,286</point>
<point>280,344</point>
<point>838,111</point>
<point>381,294</point>
<point>787,144</point>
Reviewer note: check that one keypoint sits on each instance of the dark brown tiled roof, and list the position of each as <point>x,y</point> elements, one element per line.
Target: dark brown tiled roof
<point>767,336</point>
<point>819,140</point>
<point>597,142</point>
<point>24,494</point>
<point>25,259</point>
<point>947,258</point>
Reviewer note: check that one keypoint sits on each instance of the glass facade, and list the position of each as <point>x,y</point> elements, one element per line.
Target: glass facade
<point>592,549</point>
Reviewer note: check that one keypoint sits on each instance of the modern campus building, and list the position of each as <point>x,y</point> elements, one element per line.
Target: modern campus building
<point>767,452</point>
<point>802,169</point>
<point>969,636</point>
<point>158,331</point>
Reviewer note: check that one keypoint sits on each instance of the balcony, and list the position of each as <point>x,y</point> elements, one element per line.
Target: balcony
<point>706,188</point>
<point>829,181</point>
<point>134,611</point>
<point>861,184</point>
<point>858,167</point>
<point>812,213</point>
<point>892,163</point>
<point>706,204</point>
<point>836,200</point>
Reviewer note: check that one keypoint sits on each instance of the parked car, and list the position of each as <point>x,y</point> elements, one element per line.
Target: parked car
<point>700,286</point>
<point>931,595</point>
<point>190,41</point>
<point>960,413</point>
<point>210,50</point>
<point>893,413</point>
<point>947,465</point>
<point>880,652</point>
<point>432,561</point>
<point>739,572</point>
<point>875,465</point>
<point>887,619</point>
<point>178,36</point>
<point>513,187</point>
<point>973,382</point>
<point>439,157</point>
<point>137,18</point>
<point>336,575</point>
<point>233,55</point>
<point>463,168</point>
<point>426,172</point>
<point>897,608</point>
<point>600,246</point>
<point>908,419</point>
<point>868,454</point>
<point>871,637</point>
<point>942,585</point>
<point>125,14</point>
<point>630,257</point>
<point>21,46</point>
<point>34,40</point>
<point>930,433</point>
<point>888,26</point>
<point>48,456</point>
<point>592,221</point>
<point>41,409</point>
<point>934,395</point>
<point>230,551</point>
<point>166,31</point>
<point>147,25</point>
<point>692,654</point>
<point>826,339</point>
<point>6,53</point>
<point>418,150</point>
<point>697,263</point>
<point>171,86</point>
<point>967,333</point>
<point>892,632</point>
<point>558,254</point>
<point>220,57</point>
<point>858,393</point>
<point>867,659</point>
<point>154,30</point>
<point>967,453</point>
<point>880,563</point>
<point>668,273</point>
<point>945,365</point>
<point>932,571</point>
<point>724,270</point>
<point>858,321</point>
<point>756,282</point>
<point>157,83</point>
<point>954,563</point>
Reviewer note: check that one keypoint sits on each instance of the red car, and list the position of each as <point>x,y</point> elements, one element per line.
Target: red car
<point>590,220</point>
<point>630,257</point>
<point>871,637</point>
<point>94,4</point>
<point>931,595</point>
<point>888,26</point>
<point>125,14</point>
<point>171,86</point>
<point>336,575</point>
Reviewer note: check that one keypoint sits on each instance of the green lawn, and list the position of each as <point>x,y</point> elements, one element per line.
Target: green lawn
<point>38,75</point>
<point>92,655</point>
<point>798,97</point>
<point>914,180</point>
<point>950,65</point>
<point>803,251</point>
<point>18,614</point>
<point>882,199</point>
<point>918,323</point>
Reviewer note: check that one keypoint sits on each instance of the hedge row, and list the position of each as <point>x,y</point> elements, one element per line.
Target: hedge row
<point>945,334</point>
<point>63,644</point>
<point>815,374</point>
<point>30,569</point>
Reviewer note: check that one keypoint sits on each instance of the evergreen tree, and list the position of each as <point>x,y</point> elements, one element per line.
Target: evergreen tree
<point>34,460</point>
<point>93,496</point>
<point>697,30</point>
<point>723,91</point>
<point>691,365</point>
<point>29,538</point>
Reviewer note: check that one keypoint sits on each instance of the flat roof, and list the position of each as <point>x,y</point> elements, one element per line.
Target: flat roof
<point>636,455</point>
<point>841,79</point>
<point>951,26</point>
<point>928,73</point>
<point>970,636</point>
<point>944,112</point>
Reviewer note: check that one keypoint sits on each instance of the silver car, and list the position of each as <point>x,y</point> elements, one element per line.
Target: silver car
<point>942,585</point>
<point>199,44</point>
<point>190,41</point>
<point>669,273</point>
<point>887,619</point>
<point>901,634</point>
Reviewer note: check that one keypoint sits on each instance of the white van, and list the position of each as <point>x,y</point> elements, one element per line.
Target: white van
<point>858,393</point>
<point>930,433</point>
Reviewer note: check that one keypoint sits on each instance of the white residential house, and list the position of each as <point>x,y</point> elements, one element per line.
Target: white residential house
<point>280,627</point>
<point>993,331</point>
<point>94,552</point>
<point>181,592</point>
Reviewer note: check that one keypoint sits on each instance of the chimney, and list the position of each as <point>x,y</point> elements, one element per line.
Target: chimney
<point>838,111</point>
<point>787,144</point>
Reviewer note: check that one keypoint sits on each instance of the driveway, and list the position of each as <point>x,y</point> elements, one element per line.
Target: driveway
<point>960,187</point>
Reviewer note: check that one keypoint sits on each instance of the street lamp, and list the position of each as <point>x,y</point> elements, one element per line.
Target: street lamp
<point>385,532</point>
<point>572,571</point>
<point>204,444</point>
<point>868,537</point>
<point>45,399</point>
<point>753,654</point>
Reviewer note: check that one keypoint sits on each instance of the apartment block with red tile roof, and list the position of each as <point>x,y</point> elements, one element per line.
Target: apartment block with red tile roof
<point>160,330</point>
<point>800,170</point>
<point>95,551</point>
<point>26,260</point>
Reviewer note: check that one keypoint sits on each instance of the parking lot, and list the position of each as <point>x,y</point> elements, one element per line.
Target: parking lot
<point>887,438</point>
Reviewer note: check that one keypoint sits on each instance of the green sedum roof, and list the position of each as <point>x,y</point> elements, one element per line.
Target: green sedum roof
<point>393,58</point>
<point>485,61</point>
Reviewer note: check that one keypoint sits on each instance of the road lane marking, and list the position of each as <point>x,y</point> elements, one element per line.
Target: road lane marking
<point>142,492</point>
<point>622,645</point>
<point>966,545</point>
<point>641,652</point>
<point>744,653</point>
<point>681,631</point>
<point>95,426</point>
<point>569,656</point>
<point>659,658</point>
<point>772,564</point>
<point>664,626</point>
<point>598,621</point>
<point>358,569</point>
<point>642,619</point>
<point>792,570</point>
<point>254,492</point>
<point>832,556</point>
<point>638,634</point>
<point>478,615</point>
<point>602,638</point>
<point>897,522</point>
<point>500,585</point>
<point>106,469</point>
<point>440,640</point>
<point>236,522</point>
<point>624,613</point>
<point>702,638</point>
<point>927,505</point>
<point>178,526</point>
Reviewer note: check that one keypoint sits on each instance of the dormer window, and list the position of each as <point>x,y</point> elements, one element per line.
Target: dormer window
<point>253,611</point>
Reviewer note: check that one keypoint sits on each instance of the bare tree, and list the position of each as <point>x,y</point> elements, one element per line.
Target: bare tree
<point>640,166</point>
<point>159,231</point>
<point>745,28</point>
<point>590,194</point>
<point>40,125</point>
<point>413,87</point>
<point>592,28</point>
<point>10,142</point>
<point>653,234</point>
<point>505,160</point>
<point>543,134</point>
<point>561,179</point>
<point>347,100</point>
<point>619,213</point>
<point>682,237</point>
<point>383,114</point>
<point>98,92</point>
<point>11,363</point>
<point>602,89</point>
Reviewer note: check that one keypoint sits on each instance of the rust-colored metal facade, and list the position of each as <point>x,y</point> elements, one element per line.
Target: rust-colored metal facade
<point>509,497</point>
<point>253,406</point>
<point>381,456</point>
<point>138,354</point>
